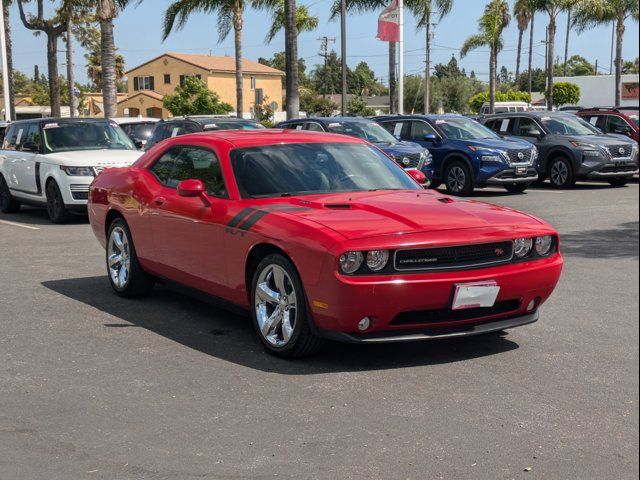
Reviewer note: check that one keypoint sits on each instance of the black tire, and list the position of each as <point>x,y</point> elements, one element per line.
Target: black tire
<point>302,341</point>
<point>58,213</point>
<point>618,182</point>
<point>517,187</point>
<point>138,282</point>
<point>458,180</point>
<point>7,203</point>
<point>561,174</point>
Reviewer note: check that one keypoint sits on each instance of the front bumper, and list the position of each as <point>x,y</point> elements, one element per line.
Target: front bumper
<point>615,171</point>
<point>511,176</point>
<point>601,168</point>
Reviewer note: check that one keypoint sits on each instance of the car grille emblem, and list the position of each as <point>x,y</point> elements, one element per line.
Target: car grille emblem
<point>499,252</point>
<point>406,161</point>
<point>621,150</point>
<point>520,155</point>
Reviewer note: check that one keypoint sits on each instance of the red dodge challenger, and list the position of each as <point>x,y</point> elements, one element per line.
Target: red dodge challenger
<point>319,236</point>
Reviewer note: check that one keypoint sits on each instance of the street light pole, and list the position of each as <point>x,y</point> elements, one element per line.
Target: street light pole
<point>400,57</point>
<point>343,53</point>
<point>5,69</point>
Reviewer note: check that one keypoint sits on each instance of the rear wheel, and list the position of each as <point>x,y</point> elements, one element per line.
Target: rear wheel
<point>458,179</point>
<point>7,203</point>
<point>561,173</point>
<point>123,268</point>
<point>279,309</point>
<point>517,187</point>
<point>55,204</point>
<point>618,182</point>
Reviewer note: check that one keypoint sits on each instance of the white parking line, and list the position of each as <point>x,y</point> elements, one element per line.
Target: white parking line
<point>21,225</point>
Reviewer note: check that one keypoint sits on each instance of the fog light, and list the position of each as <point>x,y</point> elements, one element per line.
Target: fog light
<point>533,304</point>
<point>364,324</point>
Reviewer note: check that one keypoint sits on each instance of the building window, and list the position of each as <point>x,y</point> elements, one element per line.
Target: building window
<point>143,83</point>
<point>253,83</point>
<point>167,79</point>
<point>184,77</point>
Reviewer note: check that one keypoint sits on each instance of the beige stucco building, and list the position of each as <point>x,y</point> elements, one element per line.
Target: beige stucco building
<point>151,81</point>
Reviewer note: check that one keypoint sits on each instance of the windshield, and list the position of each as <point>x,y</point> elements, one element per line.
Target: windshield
<point>67,136</point>
<point>138,131</point>
<point>568,125</point>
<point>369,131</point>
<point>303,169</point>
<point>463,129</point>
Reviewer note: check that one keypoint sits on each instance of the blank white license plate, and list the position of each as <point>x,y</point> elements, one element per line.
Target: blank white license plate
<point>521,170</point>
<point>475,295</point>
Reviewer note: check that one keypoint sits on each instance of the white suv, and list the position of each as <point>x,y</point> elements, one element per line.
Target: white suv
<point>51,162</point>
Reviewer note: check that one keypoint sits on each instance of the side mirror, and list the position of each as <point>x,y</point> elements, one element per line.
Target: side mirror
<point>417,175</point>
<point>430,137</point>
<point>191,188</point>
<point>535,133</point>
<point>30,147</point>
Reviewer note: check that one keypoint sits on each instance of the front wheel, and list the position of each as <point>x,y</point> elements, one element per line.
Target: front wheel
<point>517,187</point>
<point>7,203</point>
<point>618,182</point>
<point>561,173</point>
<point>279,309</point>
<point>458,179</point>
<point>123,268</point>
<point>58,213</point>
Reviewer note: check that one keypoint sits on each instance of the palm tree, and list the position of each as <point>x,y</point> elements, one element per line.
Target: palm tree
<point>590,13</point>
<point>524,15</point>
<point>304,21</point>
<point>494,20</point>
<point>424,11</point>
<point>106,12</point>
<point>53,28</point>
<point>553,9</point>
<point>230,15</point>
<point>9,97</point>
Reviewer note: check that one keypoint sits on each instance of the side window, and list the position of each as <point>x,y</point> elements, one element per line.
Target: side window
<point>199,164</point>
<point>14,137</point>
<point>33,135</point>
<point>163,167</point>
<point>294,126</point>
<point>159,133</point>
<point>526,125</point>
<point>314,127</point>
<point>188,127</point>
<point>397,129</point>
<point>617,125</point>
<point>493,125</point>
<point>420,129</point>
<point>503,126</point>
<point>598,121</point>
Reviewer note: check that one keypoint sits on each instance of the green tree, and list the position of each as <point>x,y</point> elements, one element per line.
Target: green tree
<point>357,106</point>
<point>278,61</point>
<point>89,37</point>
<point>565,93</point>
<point>448,70</point>
<point>538,80</point>
<point>194,98</point>
<point>577,66</point>
<point>304,21</point>
<point>313,104</point>
<point>491,24</point>
<point>481,98</point>
<point>589,13</point>
<point>523,14</point>
<point>362,81</point>
<point>630,66</point>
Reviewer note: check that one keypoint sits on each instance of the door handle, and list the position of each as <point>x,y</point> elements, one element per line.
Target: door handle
<point>159,201</point>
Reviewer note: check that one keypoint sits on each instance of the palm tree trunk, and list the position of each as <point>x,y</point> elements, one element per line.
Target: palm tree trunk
<point>237,28</point>
<point>550,46</point>
<point>427,67</point>
<point>620,35</point>
<point>392,77</point>
<point>291,60</point>
<point>10,98</point>
<point>70,79</point>
<point>492,78</point>
<point>108,58</point>
<point>520,32</point>
<point>52,64</point>
<point>566,42</point>
<point>531,54</point>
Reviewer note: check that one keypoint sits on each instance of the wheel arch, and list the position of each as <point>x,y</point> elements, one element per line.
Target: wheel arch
<point>558,152</point>
<point>111,215</point>
<point>255,256</point>
<point>460,157</point>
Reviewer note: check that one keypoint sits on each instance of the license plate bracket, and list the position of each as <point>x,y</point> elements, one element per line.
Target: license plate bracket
<point>475,295</point>
<point>521,170</point>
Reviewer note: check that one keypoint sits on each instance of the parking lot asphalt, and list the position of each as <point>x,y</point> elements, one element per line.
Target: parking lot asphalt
<point>96,387</point>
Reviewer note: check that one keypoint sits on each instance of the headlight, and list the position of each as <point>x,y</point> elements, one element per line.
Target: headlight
<point>492,158</point>
<point>426,157</point>
<point>534,155</point>
<point>490,154</point>
<point>522,247</point>
<point>78,171</point>
<point>377,259</point>
<point>350,262</point>
<point>543,245</point>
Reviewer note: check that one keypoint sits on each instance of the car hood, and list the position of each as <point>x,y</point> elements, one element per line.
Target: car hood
<point>400,148</point>
<point>498,143</point>
<point>604,140</point>
<point>372,214</point>
<point>95,158</point>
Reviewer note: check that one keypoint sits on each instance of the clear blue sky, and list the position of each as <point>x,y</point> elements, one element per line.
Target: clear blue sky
<point>138,36</point>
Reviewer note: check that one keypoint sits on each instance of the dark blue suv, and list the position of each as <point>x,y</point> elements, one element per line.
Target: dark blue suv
<point>465,153</point>
<point>406,154</point>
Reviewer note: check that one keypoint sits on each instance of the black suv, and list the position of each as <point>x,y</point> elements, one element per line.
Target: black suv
<point>569,148</point>
<point>200,123</point>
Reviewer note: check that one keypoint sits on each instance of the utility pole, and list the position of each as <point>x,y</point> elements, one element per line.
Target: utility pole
<point>343,54</point>
<point>596,68</point>
<point>613,32</point>
<point>8,108</point>
<point>566,43</point>
<point>427,70</point>
<point>324,53</point>
<point>546,58</point>
<point>400,57</point>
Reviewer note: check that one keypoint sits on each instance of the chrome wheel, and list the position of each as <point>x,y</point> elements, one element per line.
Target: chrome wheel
<point>275,305</point>
<point>456,179</point>
<point>559,173</point>
<point>119,258</point>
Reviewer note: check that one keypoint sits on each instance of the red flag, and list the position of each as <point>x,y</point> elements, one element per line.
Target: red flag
<point>389,23</point>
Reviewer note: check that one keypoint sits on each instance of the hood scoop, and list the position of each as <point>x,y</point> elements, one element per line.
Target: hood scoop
<point>445,200</point>
<point>338,206</point>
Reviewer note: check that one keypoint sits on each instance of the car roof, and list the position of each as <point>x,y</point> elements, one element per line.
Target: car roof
<point>329,120</point>
<point>205,119</point>
<point>421,117</point>
<point>61,119</point>
<point>269,136</point>
<point>541,113</point>
<point>130,120</point>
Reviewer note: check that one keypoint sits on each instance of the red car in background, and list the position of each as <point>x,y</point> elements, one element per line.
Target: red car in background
<point>319,236</point>
<point>618,120</point>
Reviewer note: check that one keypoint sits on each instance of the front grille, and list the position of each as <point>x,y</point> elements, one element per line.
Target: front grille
<point>458,257</point>
<point>515,157</point>
<point>631,167</point>
<point>620,151</point>
<point>79,191</point>
<point>448,315</point>
<point>413,160</point>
